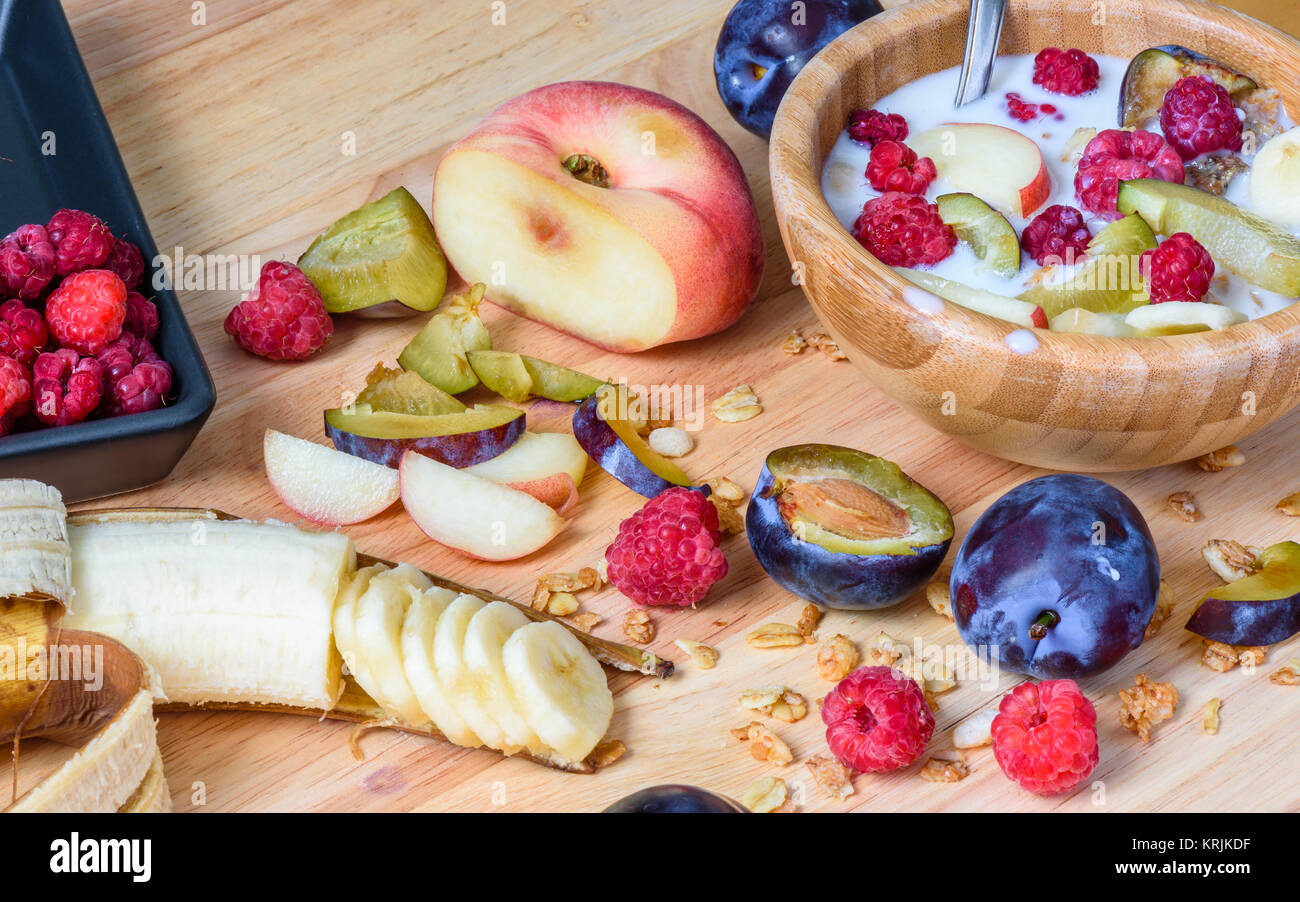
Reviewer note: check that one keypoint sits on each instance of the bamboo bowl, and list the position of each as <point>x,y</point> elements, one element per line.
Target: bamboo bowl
<point>1076,402</point>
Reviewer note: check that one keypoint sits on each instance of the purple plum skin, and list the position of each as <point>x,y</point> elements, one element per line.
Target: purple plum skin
<point>764,33</point>
<point>1247,622</point>
<point>604,446</point>
<point>462,449</point>
<point>675,799</point>
<point>846,582</point>
<point>1032,551</point>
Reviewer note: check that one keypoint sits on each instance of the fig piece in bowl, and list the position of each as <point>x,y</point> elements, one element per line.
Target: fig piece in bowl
<point>843,528</point>
<point>1260,609</point>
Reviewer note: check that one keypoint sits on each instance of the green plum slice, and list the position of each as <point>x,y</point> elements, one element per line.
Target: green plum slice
<point>456,439</point>
<point>987,231</point>
<point>438,351</point>
<point>1238,240</point>
<point>1260,609</point>
<point>404,391</point>
<point>1108,280</point>
<point>517,377</point>
<point>384,251</point>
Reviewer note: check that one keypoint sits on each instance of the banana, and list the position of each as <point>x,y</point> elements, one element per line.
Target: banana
<point>152,796</point>
<point>378,626</point>
<point>560,688</point>
<point>103,775</point>
<point>1275,179</point>
<point>36,560</point>
<point>224,610</point>
<point>454,675</point>
<point>344,618</point>
<point>485,674</point>
<point>419,629</point>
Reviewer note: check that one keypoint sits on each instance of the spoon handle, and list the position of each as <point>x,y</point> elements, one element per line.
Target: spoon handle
<point>983,31</point>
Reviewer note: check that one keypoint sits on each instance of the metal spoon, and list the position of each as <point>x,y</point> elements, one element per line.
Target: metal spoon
<point>983,32</point>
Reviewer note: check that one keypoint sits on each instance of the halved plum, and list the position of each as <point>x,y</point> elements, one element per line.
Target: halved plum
<point>844,528</point>
<point>601,427</point>
<point>456,439</point>
<point>1153,72</point>
<point>1261,609</point>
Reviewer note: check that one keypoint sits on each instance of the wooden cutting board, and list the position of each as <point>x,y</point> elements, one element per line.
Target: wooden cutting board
<point>234,131</point>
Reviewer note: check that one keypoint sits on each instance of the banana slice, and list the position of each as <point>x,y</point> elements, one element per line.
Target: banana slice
<point>487,632</point>
<point>378,630</point>
<point>560,688</point>
<point>1275,179</point>
<point>344,623</point>
<point>454,674</point>
<point>418,631</point>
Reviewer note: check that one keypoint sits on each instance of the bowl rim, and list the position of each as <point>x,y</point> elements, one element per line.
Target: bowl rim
<point>795,187</point>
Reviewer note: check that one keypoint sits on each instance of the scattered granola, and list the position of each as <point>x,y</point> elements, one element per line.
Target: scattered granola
<point>737,405</point>
<point>1221,459</point>
<point>794,343</point>
<point>940,598</point>
<point>1286,675</point>
<point>764,745</point>
<point>808,620</point>
<point>1184,505</point>
<point>940,770</point>
<point>606,753</point>
<point>726,490</point>
<point>834,778</point>
<point>976,730</point>
<point>562,604</point>
<point>1210,716</point>
<point>704,656</point>
<point>827,345</point>
<point>1290,505</point>
<point>1260,108</point>
<point>730,523</point>
<point>837,658</point>
<point>638,627</point>
<point>585,621</point>
<point>775,635</point>
<point>1218,656</point>
<point>1164,606</point>
<point>1213,172</point>
<point>585,578</point>
<point>1230,560</point>
<point>779,702</point>
<point>1145,705</point>
<point>765,795</point>
<point>541,597</point>
<point>671,441</point>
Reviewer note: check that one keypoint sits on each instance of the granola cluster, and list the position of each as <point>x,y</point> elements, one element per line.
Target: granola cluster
<point>1145,705</point>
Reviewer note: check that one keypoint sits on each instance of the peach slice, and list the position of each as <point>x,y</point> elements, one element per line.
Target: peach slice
<point>473,515</point>
<point>324,485</point>
<point>1001,166</point>
<point>547,465</point>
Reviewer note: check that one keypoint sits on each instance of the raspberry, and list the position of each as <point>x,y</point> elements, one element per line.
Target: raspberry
<point>1057,233</point>
<point>81,241</point>
<point>904,230</point>
<point>894,167</point>
<point>1114,156</point>
<point>1198,117</point>
<point>1179,269</point>
<point>87,310</point>
<point>1045,736</point>
<point>15,392</point>
<point>667,552</point>
<point>1070,72</point>
<point>66,387</point>
<point>141,316</point>
<point>283,317</point>
<point>136,378</point>
<point>22,332</point>
<point>870,126</point>
<point>26,263</point>
<point>126,260</point>
<point>876,720</point>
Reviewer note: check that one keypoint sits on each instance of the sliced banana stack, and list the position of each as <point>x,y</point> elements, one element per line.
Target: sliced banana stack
<point>108,716</point>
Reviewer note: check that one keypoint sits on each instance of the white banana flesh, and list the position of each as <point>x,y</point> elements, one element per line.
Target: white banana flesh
<point>419,629</point>
<point>34,553</point>
<point>378,627</point>
<point>224,611</point>
<point>152,796</point>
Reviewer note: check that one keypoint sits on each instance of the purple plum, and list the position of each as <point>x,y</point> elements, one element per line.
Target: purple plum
<point>674,799</point>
